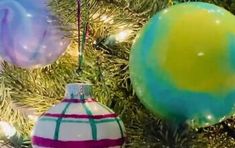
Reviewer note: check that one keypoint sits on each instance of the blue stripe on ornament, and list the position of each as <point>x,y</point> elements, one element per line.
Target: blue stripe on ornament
<point>116,118</point>
<point>91,120</point>
<point>58,123</point>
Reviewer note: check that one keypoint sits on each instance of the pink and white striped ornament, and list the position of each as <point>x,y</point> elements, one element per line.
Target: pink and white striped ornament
<point>79,121</point>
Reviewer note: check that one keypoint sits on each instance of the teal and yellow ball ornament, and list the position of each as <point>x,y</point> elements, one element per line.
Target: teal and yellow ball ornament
<point>182,64</point>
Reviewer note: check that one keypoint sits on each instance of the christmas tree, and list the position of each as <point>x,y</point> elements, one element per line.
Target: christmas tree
<point>110,27</point>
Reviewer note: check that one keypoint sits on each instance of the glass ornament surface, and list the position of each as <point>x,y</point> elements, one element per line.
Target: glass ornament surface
<point>30,36</point>
<point>182,64</point>
<point>79,121</point>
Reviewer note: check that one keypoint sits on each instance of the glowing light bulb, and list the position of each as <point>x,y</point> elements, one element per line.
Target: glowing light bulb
<point>7,129</point>
<point>122,36</point>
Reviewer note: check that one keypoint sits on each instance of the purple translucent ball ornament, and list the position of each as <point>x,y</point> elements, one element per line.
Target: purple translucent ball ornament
<point>29,34</point>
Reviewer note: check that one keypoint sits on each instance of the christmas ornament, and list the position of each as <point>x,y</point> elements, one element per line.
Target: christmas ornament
<point>182,64</point>
<point>78,122</point>
<point>30,36</point>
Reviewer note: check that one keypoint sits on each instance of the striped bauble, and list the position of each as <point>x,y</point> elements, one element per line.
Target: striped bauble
<point>79,121</point>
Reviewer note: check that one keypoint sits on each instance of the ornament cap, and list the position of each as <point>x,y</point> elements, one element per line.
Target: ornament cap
<point>78,91</point>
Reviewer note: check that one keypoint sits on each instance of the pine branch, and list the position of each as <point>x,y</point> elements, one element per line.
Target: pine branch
<point>10,114</point>
<point>106,67</point>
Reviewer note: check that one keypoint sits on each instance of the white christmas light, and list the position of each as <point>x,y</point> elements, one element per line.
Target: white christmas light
<point>8,129</point>
<point>123,35</point>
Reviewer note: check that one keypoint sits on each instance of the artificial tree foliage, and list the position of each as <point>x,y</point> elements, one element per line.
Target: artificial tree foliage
<point>28,93</point>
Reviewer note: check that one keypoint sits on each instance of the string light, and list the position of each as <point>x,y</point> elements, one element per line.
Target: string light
<point>123,35</point>
<point>7,129</point>
<point>117,38</point>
